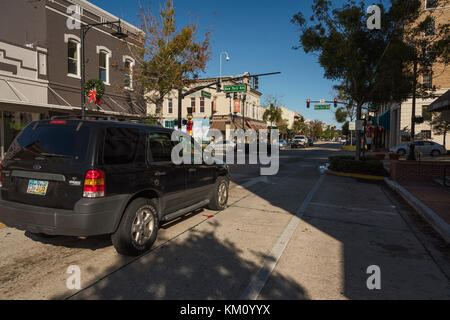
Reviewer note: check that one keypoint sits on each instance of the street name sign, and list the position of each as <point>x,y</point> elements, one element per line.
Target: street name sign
<point>236,88</point>
<point>322,107</point>
<point>206,94</point>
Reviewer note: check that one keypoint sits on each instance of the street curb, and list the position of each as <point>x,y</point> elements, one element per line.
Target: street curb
<point>438,224</point>
<point>355,175</point>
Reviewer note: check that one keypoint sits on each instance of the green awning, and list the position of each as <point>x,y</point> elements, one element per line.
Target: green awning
<point>384,120</point>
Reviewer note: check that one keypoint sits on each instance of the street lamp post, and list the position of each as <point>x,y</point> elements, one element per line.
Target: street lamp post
<point>84,29</point>
<point>228,59</point>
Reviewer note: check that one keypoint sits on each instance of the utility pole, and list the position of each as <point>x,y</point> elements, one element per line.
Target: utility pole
<point>412,152</point>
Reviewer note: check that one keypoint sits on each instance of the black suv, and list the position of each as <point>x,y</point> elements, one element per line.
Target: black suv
<point>82,178</point>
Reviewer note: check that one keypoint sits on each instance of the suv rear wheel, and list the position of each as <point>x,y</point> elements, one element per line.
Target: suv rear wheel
<point>138,229</point>
<point>435,153</point>
<point>219,197</point>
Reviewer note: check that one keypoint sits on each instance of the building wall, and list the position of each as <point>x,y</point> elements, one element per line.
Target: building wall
<point>401,114</point>
<point>66,88</point>
<point>224,105</point>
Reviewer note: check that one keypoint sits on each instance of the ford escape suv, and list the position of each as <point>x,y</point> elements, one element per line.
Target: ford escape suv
<point>82,178</point>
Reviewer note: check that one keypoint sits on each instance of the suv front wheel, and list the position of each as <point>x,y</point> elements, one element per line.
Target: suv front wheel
<point>219,197</point>
<point>138,229</point>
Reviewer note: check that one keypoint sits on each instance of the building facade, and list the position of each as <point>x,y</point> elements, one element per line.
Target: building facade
<point>40,64</point>
<point>215,110</point>
<point>395,120</point>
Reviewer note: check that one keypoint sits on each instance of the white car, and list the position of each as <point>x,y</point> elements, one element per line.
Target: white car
<point>299,141</point>
<point>223,147</point>
<point>425,147</point>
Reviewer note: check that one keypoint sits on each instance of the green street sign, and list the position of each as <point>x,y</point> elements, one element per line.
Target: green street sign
<point>322,107</point>
<point>206,94</point>
<point>237,88</point>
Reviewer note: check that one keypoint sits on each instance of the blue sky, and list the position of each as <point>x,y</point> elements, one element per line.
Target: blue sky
<point>259,37</point>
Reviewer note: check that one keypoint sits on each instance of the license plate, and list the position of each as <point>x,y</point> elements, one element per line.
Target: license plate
<point>37,187</point>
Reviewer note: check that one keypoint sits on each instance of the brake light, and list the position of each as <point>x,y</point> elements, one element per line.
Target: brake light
<point>58,122</point>
<point>94,184</point>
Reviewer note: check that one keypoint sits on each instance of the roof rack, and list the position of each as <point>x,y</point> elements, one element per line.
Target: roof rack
<point>97,117</point>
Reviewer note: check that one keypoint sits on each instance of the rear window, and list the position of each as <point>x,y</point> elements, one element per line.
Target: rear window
<point>51,141</point>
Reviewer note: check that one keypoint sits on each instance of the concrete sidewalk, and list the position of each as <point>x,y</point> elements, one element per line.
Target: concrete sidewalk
<point>349,226</point>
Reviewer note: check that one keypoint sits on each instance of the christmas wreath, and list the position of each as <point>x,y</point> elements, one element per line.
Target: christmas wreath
<point>94,89</point>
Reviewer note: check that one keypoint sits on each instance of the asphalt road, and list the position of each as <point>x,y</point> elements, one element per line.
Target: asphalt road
<point>295,235</point>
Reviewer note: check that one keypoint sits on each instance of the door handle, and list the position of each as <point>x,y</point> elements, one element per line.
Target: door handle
<point>158,173</point>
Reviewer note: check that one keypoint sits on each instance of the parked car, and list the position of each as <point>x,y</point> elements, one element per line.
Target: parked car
<point>283,144</point>
<point>299,141</point>
<point>425,147</point>
<point>84,178</point>
<point>223,147</point>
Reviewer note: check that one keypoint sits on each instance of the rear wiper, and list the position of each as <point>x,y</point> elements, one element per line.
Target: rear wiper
<point>53,155</point>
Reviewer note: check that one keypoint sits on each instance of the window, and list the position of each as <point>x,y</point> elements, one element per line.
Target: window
<point>425,134</point>
<point>427,116</point>
<point>73,61</point>
<point>120,146</point>
<point>61,141</point>
<point>103,66</point>
<point>202,105</point>
<point>160,147</point>
<point>427,80</point>
<point>128,65</point>
<point>430,4</point>
<point>170,106</point>
<point>430,30</point>
<point>193,105</point>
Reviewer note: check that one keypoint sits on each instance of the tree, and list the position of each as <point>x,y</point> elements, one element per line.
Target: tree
<point>316,129</point>
<point>170,57</point>
<point>283,127</point>
<point>300,127</point>
<point>441,126</point>
<point>272,114</point>
<point>374,66</point>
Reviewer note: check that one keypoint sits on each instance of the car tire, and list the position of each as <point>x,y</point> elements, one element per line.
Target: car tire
<point>219,198</point>
<point>401,152</point>
<point>138,228</point>
<point>435,153</point>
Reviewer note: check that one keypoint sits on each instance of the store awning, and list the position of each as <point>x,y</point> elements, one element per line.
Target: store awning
<point>384,120</point>
<point>26,106</point>
<point>440,104</point>
<point>218,125</point>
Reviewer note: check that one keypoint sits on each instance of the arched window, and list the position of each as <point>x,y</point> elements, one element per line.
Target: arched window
<point>104,55</point>
<point>128,63</point>
<point>73,55</point>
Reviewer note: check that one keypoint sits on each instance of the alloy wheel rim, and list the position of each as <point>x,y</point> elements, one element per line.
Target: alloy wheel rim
<point>222,193</point>
<point>143,225</point>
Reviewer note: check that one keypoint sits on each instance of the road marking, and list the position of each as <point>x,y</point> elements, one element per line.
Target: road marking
<point>259,279</point>
<point>332,206</point>
<point>254,181</point>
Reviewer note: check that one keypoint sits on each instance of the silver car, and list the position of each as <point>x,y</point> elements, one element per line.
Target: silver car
<point>425,147</point>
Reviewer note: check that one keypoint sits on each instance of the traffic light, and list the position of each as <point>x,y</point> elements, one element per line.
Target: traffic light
<point>218,88</point>
<point>235,96</point>
<point>256,83</point>
<point>308,102</point>
<point>335,102</point>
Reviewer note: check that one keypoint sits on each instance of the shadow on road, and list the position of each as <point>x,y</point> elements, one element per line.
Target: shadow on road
<point>198,266</point>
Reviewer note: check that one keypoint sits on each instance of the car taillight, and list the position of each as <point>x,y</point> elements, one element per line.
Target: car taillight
<point>94,184</point>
